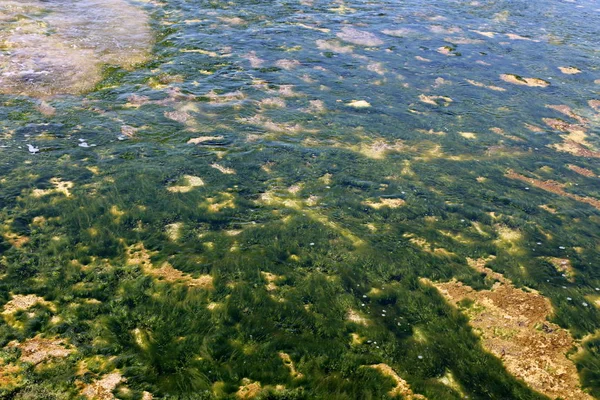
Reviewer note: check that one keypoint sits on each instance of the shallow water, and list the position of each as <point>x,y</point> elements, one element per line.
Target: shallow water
<point>221,200</point>
<point>60,46</point>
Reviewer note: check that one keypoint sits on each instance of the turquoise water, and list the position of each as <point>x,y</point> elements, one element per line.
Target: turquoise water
<point>324,148</point>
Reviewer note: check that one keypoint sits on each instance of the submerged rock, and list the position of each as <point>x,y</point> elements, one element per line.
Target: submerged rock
<point>59,47</point>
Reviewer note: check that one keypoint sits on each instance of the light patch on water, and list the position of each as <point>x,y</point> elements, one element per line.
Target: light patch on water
<point>569,70</point>
<point>431,132</point>
<point>59,47</point>
<point>221,201</point>
<point>189,182</point>
<point>468,135</point>
<point>401,388</point>
<point>287,360</point>
<point>272,102</point>
<point>485,33</point>
<point>60,186</point>
<point>449,380</point>
<point>508,239</point>
<point>401,32</point>
<point>203,139</point>
<point>483,85</point>
<point>519,80</point>
<point>333,45</point>
<point>173,230</point>
<point>435,100</point>
<point>384,202</point>
<point>138,255</point>
<point>354,316</point>
<point>358,37</point>
<point>564,266</point>
<point>222,169</point>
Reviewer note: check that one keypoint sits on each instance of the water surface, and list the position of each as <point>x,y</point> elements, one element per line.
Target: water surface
<point>299,199</point>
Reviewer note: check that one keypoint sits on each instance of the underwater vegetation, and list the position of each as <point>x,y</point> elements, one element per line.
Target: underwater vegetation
<point>299,199</point>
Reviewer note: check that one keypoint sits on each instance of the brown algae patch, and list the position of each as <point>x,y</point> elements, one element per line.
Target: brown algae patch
<point>60,47</point>
<point>575,148</point>
<point>512,324</point>
<point>553,187</point>
<point>566,110</point>
<point>23,302</point>
<point>582,171</point>
<point>402,387</point>
<point>518,80</point>
<point>102,389</point>
<point>563,126</point>
<point>11,376</point>
<point>37,350</point>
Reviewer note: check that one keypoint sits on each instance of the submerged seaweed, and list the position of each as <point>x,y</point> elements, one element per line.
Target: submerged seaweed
<point>259,200</point>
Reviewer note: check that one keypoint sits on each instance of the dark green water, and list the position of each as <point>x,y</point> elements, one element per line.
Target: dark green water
<point>290,166</point>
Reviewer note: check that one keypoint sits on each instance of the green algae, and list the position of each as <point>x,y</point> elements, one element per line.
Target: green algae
<point>329,251</point>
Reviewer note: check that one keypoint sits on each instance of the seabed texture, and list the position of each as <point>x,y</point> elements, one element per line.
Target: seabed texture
<point>299,199</point>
